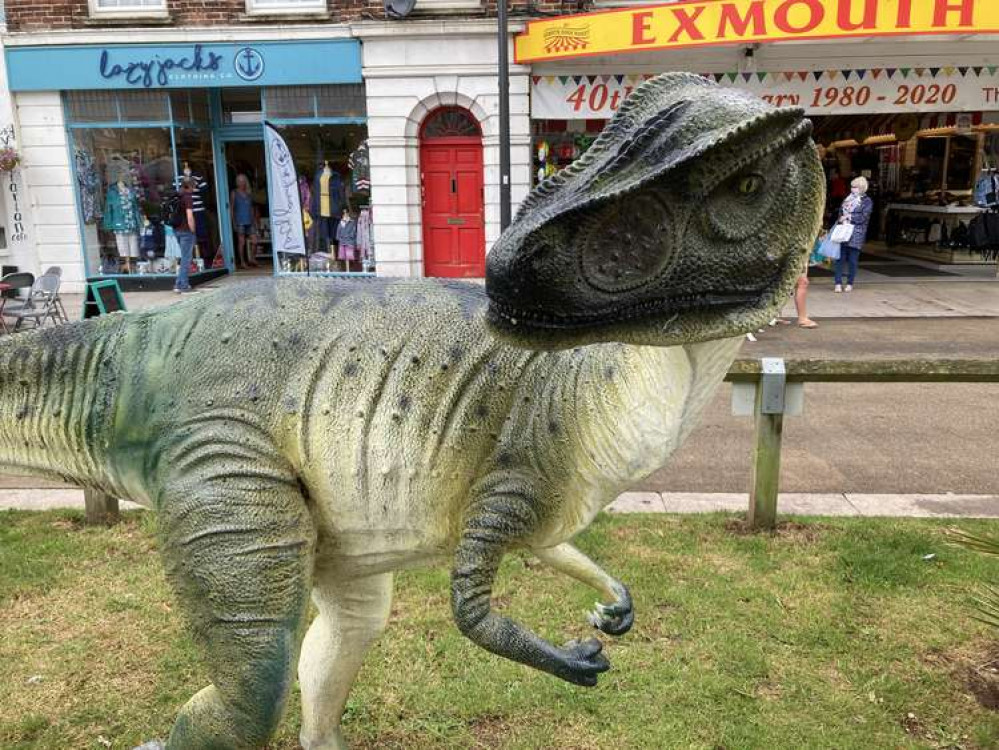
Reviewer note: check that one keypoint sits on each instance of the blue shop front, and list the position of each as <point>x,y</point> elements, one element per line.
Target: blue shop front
<point>140,119</point>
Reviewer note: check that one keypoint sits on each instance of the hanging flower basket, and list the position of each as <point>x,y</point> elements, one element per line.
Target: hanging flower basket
<point>9,159</point>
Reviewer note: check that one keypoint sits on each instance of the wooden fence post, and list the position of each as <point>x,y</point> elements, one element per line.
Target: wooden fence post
<point>100,508</point>
<point>765,476</point>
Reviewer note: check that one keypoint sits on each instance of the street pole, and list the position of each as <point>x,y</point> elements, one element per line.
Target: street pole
<point>504,115</point>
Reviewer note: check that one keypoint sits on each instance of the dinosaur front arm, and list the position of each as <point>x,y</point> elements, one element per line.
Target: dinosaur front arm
<point>493,526</point>
<point>615,618</point>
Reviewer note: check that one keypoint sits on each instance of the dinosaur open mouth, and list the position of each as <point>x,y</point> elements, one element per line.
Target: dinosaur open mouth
<point>511,318</point>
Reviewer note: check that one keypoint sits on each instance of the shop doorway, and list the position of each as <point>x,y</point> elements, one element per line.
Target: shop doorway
<point>454,242</point>
<point>245,222</point>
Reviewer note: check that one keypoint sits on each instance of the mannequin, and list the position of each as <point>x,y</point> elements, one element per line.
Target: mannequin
<point>327,204</point>
<point>123,216</point>
<point>346,237</point>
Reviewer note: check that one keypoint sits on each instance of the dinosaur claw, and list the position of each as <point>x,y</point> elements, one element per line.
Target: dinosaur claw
<point>582,662</point>
<point>616,618</point>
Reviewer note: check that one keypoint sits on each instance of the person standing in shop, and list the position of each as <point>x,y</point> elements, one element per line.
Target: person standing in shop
<point>856,210</point>
<point>182,221</point>
<point>244,222</point>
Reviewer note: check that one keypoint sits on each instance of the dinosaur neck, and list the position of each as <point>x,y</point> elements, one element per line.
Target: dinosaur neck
<point>643,401</point>
<point>53,409</point>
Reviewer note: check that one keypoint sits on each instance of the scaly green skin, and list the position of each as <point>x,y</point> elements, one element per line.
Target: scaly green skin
<point>307,436</point>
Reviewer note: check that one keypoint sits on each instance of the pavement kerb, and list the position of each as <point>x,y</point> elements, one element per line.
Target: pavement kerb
<point>947,505</point>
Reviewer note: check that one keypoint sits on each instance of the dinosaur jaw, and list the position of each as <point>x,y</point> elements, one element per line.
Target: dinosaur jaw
<point>663,322</point>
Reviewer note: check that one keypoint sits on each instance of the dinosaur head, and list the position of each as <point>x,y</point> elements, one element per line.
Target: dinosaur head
<point>688,219</point>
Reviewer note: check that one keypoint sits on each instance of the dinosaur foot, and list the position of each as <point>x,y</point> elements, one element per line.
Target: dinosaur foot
<point>582,662</point>
<point>152,745</point>
<point>616,618</point>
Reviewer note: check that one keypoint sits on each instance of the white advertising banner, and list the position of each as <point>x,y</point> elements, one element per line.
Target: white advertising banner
<point>285,206</point>
<point>826,92</point>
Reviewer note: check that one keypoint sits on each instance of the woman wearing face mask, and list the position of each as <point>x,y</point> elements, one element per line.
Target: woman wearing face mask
<point>856,209</point>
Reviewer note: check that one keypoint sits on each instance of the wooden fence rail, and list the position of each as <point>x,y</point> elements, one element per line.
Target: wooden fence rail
<point>769,422</point>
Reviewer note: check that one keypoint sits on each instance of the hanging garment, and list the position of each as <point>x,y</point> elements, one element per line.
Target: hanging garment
<point>360,168</point>
<point>365,236</point>
<point>121,210</point>
<point>172,246</point>
<point>88,181</point>
<point>304,191</point>
<point>335,191</point>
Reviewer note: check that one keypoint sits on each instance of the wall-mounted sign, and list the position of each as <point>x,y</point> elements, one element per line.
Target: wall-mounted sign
<point>62,68</point>
<point>820,92</point>
<point>700,23</point>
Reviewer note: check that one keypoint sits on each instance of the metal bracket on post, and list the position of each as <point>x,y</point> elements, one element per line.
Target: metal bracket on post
<point>773,377</point>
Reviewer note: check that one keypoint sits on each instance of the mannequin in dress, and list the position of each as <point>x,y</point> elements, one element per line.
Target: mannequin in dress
<point>327,203</point>
<point>123,216</point>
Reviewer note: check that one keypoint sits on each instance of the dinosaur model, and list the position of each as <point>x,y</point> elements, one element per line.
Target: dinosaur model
<point>307,437</point>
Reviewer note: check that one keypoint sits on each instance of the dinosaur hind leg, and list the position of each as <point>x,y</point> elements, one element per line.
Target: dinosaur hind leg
<point>239,550</point>
<point>352,614</point>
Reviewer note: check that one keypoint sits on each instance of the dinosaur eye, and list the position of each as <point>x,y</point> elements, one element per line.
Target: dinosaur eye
<point>749,184</point>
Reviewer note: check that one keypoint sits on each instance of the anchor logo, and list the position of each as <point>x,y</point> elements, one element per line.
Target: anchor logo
<point>249,64</point>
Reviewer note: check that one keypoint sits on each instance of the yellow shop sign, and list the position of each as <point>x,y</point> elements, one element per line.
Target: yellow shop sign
<point>701,23</point>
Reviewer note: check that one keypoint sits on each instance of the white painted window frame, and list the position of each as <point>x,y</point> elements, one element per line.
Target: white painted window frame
<point>435,6</point>
<point>315,7</point>
<point>96,11</point>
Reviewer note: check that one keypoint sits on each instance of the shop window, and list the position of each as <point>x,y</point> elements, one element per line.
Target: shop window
<point>558,143</point>
<point>293,102</point>
<point>450,122</point>
<point>91,106</point>
<point>285,6</point>
<point>190,106</point>
<point>288,102</point>
<point>346,100</point>
<point>143,106</point>
<point>122,177</point>
<point>241,105</point>
<point>342,150</point>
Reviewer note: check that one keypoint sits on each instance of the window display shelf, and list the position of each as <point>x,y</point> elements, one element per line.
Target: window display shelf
<point>947,210</point>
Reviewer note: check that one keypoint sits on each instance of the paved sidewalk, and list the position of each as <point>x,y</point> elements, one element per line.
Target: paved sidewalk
<point>913,506</point>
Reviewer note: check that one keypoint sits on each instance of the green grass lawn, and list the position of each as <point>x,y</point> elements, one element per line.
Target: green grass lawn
<point>829,634</point>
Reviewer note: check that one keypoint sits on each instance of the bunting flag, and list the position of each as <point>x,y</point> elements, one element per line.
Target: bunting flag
<point>876,73</point>
<point>978,71</point>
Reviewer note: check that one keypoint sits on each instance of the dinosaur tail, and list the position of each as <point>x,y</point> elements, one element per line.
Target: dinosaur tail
<point>56,393</point>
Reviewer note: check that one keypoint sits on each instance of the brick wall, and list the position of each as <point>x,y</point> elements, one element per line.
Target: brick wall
<point>39,15</point>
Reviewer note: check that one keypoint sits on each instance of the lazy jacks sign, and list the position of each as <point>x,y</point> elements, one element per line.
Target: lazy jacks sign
<point>700,23</point>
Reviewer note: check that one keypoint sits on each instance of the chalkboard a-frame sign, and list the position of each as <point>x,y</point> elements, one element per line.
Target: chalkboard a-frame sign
<point>102,297</point>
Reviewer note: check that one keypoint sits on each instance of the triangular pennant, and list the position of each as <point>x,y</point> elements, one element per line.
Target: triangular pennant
<point>949,70</point>
<point>578,79</point>
<point>876,73</point>
<point>762,77</point>
<point>803,75</point>
<point>732,76</point>
<point>647,76</point>
<point>816,74</point>
<point>846,74</point>
<point>861,73</point>
<point>934,72</point>
<point>905,72</point>
<point>605,79</point>
<point>718,77</point>
<point>536,80</point>
<point>832,74</point>
<point>920,72</point>
<point>992,69</point>
<point>788,76</point>
<point>550,80</point>
<point>746,77</point>
<point>962,70</point>
<point>591,79</point>
<point>978,70</point>
<point>563,80</point>
<point>619,79</point>
<point>891,72</point>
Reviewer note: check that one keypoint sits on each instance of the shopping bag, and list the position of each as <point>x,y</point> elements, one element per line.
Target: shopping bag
<point>842,233</point>
<point>829,249</point>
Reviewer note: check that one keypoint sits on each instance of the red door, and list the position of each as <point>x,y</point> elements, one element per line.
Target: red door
<point>454,238</point>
